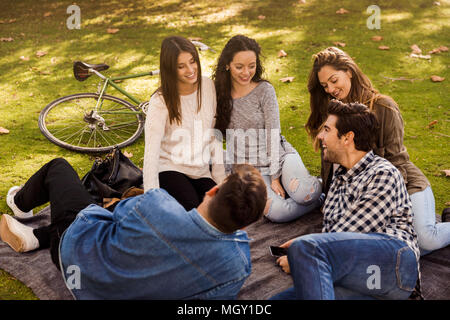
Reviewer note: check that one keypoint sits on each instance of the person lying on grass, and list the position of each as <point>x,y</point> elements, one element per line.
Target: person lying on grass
<point>150,247</point>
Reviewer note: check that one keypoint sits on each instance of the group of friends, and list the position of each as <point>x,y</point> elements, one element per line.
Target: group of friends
<point>184,239</point>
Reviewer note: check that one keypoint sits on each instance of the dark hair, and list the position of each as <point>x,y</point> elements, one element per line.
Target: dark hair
<point>171,48</point>
<point>355,117</point>
<point>240,200</point>
<point>222,77</point>
<point>361,89</point>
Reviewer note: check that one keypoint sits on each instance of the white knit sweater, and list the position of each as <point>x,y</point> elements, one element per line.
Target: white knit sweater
<point>188,148</point>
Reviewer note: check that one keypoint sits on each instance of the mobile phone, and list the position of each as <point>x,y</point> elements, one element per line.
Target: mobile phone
<point>277,251</point>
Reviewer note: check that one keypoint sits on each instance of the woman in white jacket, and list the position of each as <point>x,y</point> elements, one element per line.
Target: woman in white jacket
<point>182,154</point>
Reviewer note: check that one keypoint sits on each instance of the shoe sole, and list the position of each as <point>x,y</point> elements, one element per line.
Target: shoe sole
<point>8,236</point>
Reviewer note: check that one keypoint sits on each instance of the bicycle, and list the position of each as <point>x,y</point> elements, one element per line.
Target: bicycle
<point>96,122</point>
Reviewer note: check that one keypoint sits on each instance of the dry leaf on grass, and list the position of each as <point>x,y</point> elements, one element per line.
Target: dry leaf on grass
<point>24,58</point>
<point>287,79</point>
<point>3,130</point>
<point>447,172</point>
<point>7,39</point>
<point>282,54</point>
<point>439,50</point>
<point>383,48</point>
<point>195,39</point>
<point>47,14</point>
<point>339,44</point>
<point>431,124</point>
<point>127,154</point>
<point>41,53</point>
<point>261,17</point>
<point>437,78</point>
<point>377,38</point>
<point>342,11</point>
<point>415,49</point>
<point>112,30</point>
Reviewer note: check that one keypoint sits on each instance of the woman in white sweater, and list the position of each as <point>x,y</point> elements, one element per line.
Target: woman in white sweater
<point>182,154</point>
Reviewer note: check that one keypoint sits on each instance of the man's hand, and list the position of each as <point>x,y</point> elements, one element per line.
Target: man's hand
<point>283,260</point>
<point>277,187</point>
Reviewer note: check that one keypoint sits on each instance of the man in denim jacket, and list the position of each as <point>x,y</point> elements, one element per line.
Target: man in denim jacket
<point>150,247</point>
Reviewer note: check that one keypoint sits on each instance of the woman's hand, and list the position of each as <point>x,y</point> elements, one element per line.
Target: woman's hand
<point>277,187</point>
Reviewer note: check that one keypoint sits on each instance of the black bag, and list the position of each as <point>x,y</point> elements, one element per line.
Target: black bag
<point>112,176</point>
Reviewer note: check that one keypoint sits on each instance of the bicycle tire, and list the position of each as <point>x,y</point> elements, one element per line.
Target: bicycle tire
<point>96,148</point>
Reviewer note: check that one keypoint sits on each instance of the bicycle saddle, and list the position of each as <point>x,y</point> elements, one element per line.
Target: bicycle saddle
<point>81,69</point>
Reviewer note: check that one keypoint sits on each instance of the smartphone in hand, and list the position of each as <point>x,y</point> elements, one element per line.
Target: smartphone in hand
<point>277,251</point>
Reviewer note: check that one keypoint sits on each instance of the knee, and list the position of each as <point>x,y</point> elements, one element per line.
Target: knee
<point>60,162</point>
<point>302,246</point>
<point>304,191</point>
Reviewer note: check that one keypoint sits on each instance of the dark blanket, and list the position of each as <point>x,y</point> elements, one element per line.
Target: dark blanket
<point>36,270</point>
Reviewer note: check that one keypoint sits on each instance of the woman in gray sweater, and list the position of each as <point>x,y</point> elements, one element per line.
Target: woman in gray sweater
<point>248,116</point>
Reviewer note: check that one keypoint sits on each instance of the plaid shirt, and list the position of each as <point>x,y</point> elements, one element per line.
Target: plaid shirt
<point>370,197</point>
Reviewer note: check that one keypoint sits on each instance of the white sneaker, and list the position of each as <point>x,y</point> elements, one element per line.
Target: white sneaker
<point>19,236</point>
<point>10,202</point>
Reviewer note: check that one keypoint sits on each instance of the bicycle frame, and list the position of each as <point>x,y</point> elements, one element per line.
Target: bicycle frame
<point>110,81</point>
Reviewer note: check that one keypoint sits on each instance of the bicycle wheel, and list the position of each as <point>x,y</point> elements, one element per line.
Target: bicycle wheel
<point>70,122</point>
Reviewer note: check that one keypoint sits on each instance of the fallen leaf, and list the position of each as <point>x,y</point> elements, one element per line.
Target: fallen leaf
<point>41,53</point>
<point>45,72</point>
<point>383,48</point>
<point>437,78</point>
<point>31,94</point>
<point>3,130</point>
<point>47,14</point>
<point>12,20</point>
<point>7,39</point>
<point>447,203</point>
<point>415,49</point>
<point>302,1</point>
<point>431,124</point>
<point>282,53</point>
<point>24,58</point>
<point>377,38</point>
<point>443,48</point>
<point>112,30</point>
<point>287,79</point>
<point>290,128</point>
<point>421,56</point>
<point>195,39</point>
<point>342,11</point>
<point>53,60</point>
<point>261,17</point>
<point>339,44</point>
<point>127,154</point>
<point>447,172</point>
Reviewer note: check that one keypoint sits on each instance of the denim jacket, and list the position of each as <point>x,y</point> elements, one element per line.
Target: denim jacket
<point>151,248</point>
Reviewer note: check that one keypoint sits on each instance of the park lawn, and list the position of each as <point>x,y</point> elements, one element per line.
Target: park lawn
<point>300,29</point>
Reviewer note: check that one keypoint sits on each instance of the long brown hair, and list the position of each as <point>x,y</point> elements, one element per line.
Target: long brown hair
<point>222,76</point>
<point>361,89</point>
<point>171,48</point>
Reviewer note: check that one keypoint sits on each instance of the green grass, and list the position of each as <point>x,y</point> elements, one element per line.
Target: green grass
<point>299,29</point>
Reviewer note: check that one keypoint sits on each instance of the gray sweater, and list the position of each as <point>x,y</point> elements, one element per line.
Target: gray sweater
<point>254,135</point>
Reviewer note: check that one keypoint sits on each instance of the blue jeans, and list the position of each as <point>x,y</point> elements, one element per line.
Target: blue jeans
<point>347,265</point>
<point>430,235</point>
<point>304,191</point>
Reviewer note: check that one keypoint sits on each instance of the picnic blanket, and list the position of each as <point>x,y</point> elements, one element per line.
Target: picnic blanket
<point>36,270</point>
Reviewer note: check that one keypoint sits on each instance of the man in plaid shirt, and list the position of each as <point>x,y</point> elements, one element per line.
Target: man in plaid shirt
<point>368,248</point>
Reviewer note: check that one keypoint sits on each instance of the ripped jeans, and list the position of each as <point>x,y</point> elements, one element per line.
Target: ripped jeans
<point>303,191</point>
